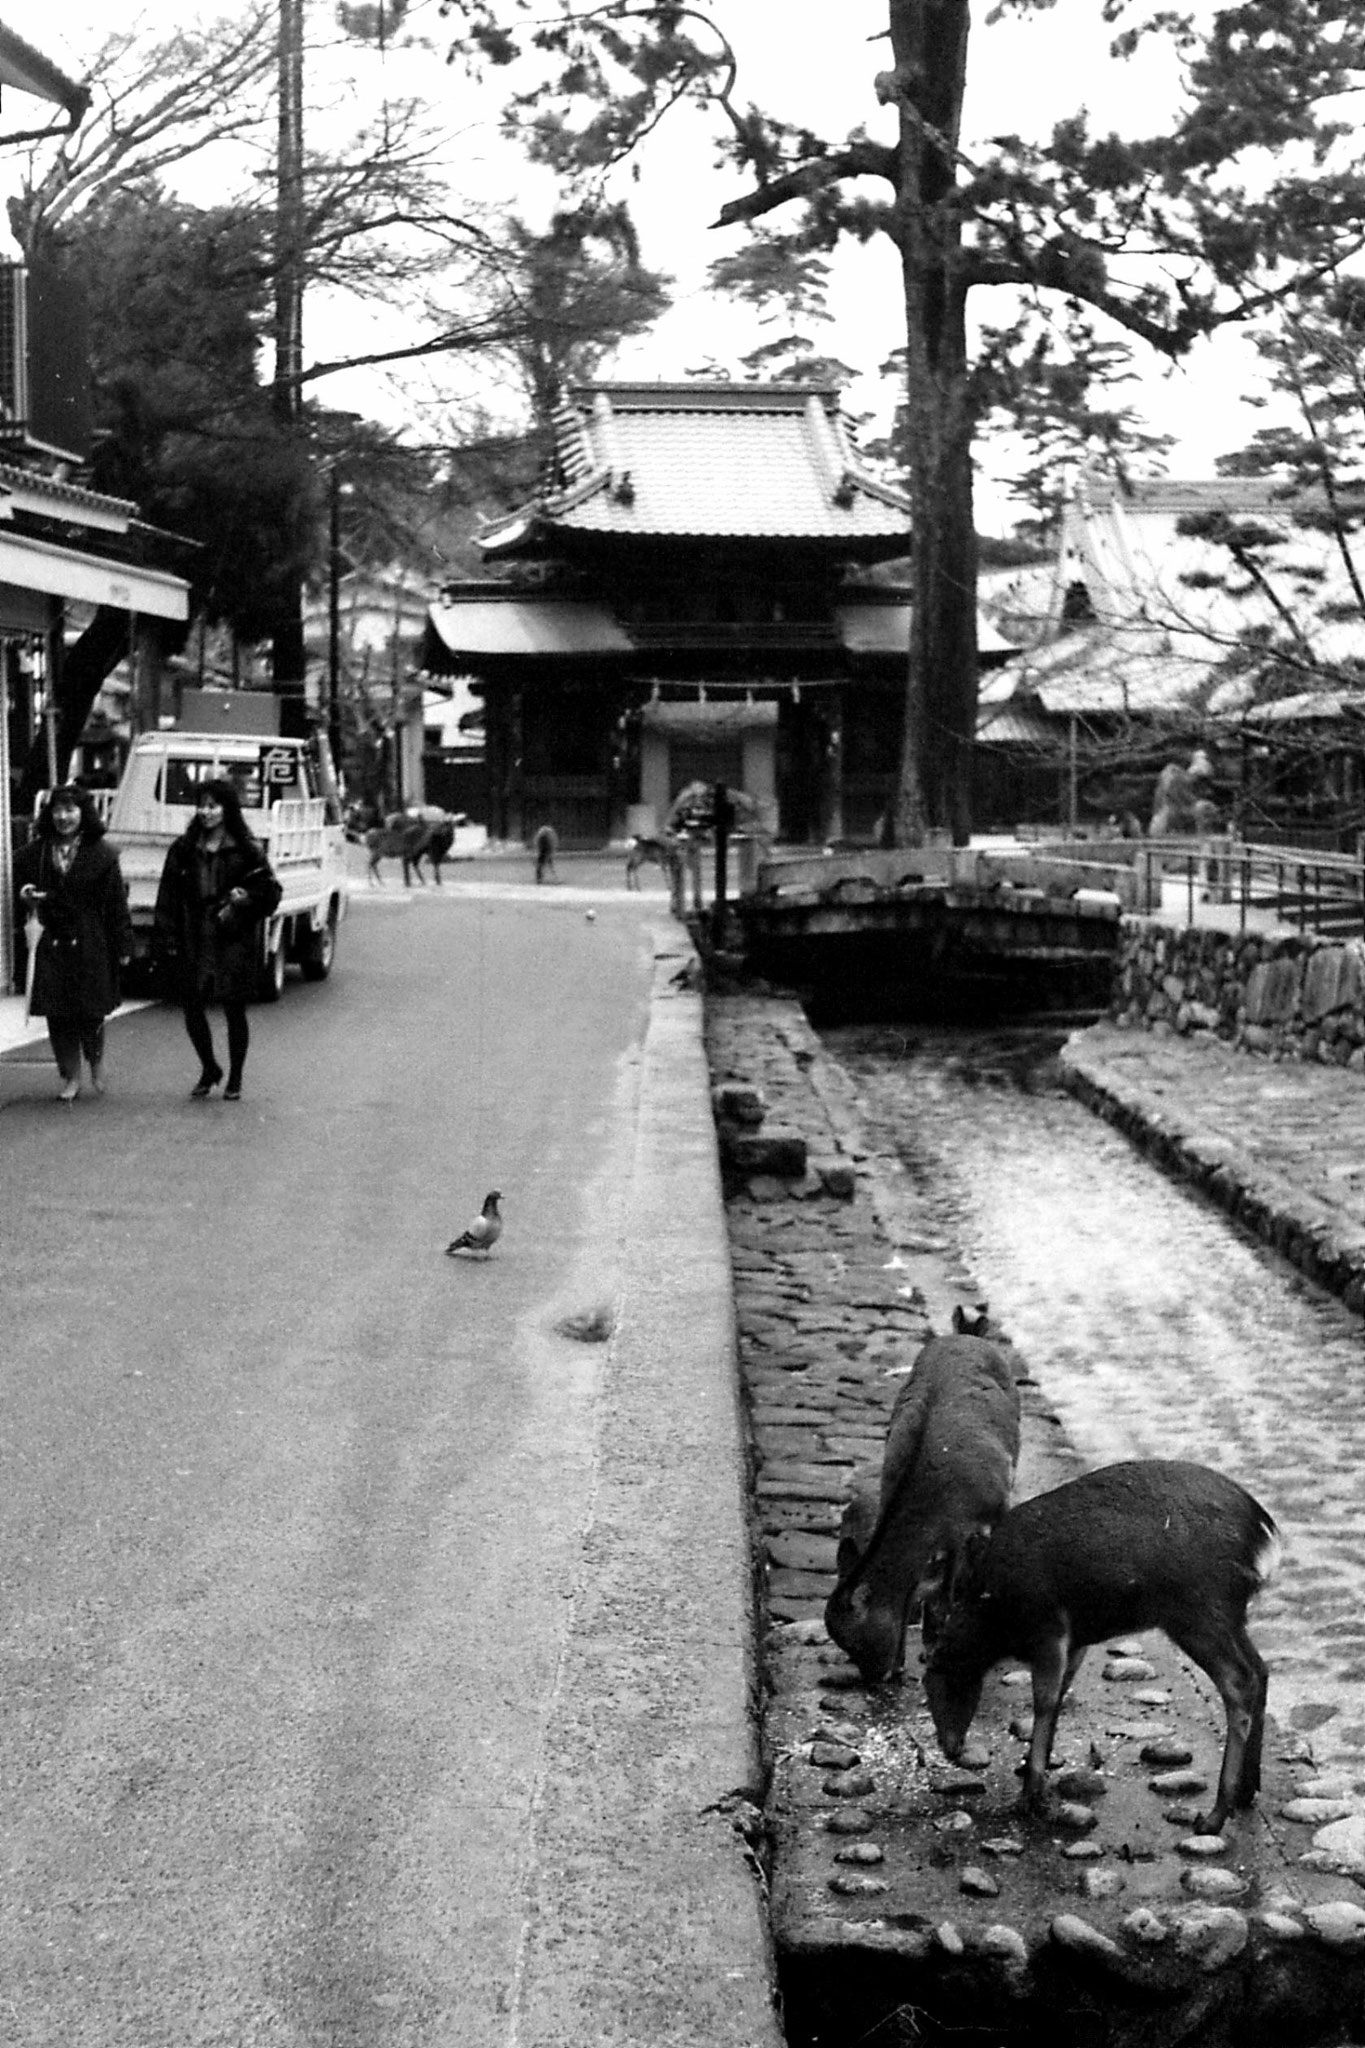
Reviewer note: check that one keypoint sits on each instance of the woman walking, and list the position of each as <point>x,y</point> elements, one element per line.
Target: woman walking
<point>71,878</point>
<point>217,889</point>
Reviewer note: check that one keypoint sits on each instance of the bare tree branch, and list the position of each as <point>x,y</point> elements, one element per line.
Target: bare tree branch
<point>857,160</point>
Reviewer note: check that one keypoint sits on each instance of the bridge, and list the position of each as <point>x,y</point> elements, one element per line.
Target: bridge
<point>881,932</point>
<point>1008,926</point>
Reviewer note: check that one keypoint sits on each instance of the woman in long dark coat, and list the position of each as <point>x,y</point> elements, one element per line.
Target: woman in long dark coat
<point>217,888</point>
<point>70,876</point>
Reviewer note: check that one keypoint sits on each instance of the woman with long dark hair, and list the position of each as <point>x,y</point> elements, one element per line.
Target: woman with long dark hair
<point>217,889</point>
<point>70,876</point>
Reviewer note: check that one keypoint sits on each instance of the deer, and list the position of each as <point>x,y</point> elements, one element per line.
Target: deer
<point>947,1467</point>
<point>1151,1543</point>
<point>400,837</point>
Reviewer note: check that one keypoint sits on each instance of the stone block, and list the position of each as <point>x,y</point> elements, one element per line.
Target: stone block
<point>837,1178</point>
<point>738,1102</point>
<point>1332,980</point>
<point>777,1152</point>
<point>1272,992</point>
<point>797,1551</point>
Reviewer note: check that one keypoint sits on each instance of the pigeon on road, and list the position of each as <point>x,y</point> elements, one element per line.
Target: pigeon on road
<point>483,1233</point>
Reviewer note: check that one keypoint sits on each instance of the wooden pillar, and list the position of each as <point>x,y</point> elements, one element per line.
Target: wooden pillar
<point>1072,806</point>
<point>833,768</point>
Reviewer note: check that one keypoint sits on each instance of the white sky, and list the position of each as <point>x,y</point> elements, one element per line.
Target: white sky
<point>1025,72</point>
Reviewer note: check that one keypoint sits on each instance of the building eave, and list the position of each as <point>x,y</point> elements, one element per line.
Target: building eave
<point>28,71</point>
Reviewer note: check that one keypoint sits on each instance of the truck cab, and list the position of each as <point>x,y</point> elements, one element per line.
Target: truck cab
<point>288,802</point>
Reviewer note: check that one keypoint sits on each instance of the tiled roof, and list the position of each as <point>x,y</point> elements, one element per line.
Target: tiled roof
<point>484,621</point>
<point>1309,705</point>
<point>711,459</point>
<point>59,499</point>
<point>1011,725</point>
<point>518,625</point>
<point>1098,672</point>
<point>1239,495</point>
<point>1170,610</point>
<point>1147,568</point>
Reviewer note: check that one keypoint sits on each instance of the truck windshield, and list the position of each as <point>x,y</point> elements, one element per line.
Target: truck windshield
<point>181,777</point>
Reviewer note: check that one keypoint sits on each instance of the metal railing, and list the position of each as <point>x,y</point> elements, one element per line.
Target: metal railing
<point>1306,888</point>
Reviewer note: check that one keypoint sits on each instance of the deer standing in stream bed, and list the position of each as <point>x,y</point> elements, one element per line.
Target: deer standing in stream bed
<point>951,1449</point>
<point>1154,1543</point>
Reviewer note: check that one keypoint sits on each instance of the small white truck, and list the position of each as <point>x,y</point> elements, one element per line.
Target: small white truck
<point>281,785</point>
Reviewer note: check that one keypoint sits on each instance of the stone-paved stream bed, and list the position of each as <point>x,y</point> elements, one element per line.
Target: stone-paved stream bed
<point>910,1901</point>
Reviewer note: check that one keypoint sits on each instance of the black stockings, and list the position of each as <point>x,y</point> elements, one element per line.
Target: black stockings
<point>201,1038</point>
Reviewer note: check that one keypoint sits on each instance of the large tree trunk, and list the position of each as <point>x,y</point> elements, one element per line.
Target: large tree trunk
<point>929,40</point>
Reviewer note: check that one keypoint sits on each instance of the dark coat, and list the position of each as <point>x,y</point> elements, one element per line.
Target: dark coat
<point>86,928</point>
<point>211,947</point>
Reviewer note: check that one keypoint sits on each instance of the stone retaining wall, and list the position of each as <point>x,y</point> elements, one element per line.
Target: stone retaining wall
<point>1288,995</point>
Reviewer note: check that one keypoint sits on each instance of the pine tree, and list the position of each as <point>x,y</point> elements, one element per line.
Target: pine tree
<point>1248,190</point>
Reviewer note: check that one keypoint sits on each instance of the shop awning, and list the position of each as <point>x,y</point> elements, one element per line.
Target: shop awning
<point>39,565</point>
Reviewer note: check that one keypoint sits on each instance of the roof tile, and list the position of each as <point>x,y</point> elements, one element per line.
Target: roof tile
<point>757,460</point>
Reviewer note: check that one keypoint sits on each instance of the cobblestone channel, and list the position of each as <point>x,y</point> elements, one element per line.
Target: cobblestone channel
<point>1157,1329</point>
<point>909,1900</point>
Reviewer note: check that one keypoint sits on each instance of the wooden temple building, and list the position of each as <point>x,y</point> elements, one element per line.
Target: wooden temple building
<point>699,592</point>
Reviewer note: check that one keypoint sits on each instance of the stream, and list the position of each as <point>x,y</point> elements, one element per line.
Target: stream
<point>1153,1325</point>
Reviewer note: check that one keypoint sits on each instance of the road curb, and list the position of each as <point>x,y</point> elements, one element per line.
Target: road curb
<point>648,1912</point>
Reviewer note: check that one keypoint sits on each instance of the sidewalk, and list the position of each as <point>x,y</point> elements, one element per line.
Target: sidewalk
<point>1279,1144</point>
<point>15,1032</point>
<point>647,1920</point>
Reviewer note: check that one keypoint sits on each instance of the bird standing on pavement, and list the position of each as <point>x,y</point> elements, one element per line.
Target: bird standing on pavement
<point>483,1233</point>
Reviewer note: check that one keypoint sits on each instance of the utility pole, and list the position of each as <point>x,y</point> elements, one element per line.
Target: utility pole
<point>334,617</point>
<point>287,652</point>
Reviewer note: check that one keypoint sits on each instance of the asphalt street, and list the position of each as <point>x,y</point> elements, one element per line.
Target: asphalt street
<point>293,1503</point>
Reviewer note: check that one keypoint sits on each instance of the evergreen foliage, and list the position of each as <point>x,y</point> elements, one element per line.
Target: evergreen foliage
<point>1245,197</point>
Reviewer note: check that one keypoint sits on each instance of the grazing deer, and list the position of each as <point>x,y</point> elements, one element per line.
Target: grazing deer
<point>949,1460</point>
<point>1154,1543</point>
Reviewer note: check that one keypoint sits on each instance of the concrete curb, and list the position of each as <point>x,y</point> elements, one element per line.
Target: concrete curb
<point>647,1915</point>
<point>1270,1206</point>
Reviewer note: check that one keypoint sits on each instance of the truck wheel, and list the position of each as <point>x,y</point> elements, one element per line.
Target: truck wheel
<point>271,984</point>
<point>320,949</point>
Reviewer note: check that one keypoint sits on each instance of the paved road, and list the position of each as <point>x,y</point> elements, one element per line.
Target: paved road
<point>293,1503</point>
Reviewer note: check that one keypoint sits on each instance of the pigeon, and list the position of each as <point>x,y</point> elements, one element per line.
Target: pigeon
<point>483,1233</point>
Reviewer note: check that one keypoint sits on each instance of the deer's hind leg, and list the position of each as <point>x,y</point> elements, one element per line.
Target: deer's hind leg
<point>1222,1649</point>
